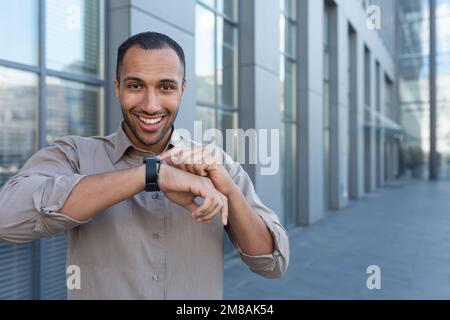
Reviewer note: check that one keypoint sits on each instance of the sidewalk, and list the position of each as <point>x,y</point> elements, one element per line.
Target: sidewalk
<point>404,230</point>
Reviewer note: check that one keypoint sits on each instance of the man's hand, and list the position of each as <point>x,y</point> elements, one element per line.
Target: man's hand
<point>202,161</point>
<point>183,187</point>
<point>252,234</point>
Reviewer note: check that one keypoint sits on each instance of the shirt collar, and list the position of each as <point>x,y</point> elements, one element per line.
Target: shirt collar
<point>123,143</point>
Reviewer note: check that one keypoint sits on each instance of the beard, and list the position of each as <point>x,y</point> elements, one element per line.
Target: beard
<point>141,137</point>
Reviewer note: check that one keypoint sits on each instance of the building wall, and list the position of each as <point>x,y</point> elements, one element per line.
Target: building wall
<point>259,88</point>
<point>311,115</point>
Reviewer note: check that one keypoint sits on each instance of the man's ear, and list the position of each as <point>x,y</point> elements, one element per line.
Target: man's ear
<point>117,89</point>
<point>183,86</point>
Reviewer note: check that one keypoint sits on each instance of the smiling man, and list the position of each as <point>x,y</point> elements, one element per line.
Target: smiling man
<point>132,220</point>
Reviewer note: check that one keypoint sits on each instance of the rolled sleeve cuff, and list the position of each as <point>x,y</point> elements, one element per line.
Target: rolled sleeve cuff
<point>50,198</point>
<point>276,262</point>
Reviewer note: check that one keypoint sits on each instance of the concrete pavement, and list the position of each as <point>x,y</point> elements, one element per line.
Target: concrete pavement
<point>405,230</point>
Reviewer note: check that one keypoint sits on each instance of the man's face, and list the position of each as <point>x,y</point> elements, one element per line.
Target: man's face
<point>150,90</point>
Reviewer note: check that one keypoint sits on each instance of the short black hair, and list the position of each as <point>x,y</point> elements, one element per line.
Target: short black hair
<point>149,41</point>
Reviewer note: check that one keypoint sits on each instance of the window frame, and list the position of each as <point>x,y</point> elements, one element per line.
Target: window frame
<point>290,218</point>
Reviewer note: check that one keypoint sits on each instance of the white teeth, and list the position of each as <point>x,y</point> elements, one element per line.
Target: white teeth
<point>150,121</point>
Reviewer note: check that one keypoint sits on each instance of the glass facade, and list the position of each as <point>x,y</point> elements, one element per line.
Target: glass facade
<point>46,91</point>
<point>72,108</point>
<point>18,127</point>
<point>442,87</point>
<point>414,84</point>
<point>74,37</point>
<point>24,48</point>
<point>216,64</point>
<point>288,103</point>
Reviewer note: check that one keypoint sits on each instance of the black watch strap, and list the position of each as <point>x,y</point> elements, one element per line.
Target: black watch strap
<point>151,174</point>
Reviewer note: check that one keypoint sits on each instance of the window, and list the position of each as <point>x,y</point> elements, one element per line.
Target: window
<point>288,85</point>
<point>22,17</point>
<point>51,85</point>
<point>216,47</point>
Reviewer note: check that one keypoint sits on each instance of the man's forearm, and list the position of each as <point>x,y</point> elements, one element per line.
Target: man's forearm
<point>98,192</point>
<point>249,230</point>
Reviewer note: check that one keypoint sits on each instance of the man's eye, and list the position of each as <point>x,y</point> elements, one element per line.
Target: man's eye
<point>134,86</point>
<point>167,87</point>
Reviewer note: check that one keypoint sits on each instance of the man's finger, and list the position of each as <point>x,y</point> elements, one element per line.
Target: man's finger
<point>224,210</point>
<point>192,206</point>
<point>169,153</point>
<point>200,170</point>
<point>207,218</point>
<point>205,207</point>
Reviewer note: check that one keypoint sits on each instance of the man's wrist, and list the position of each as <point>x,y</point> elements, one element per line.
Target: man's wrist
<point>232,189</point>
<point>163,167</point>
<point>139,173</point>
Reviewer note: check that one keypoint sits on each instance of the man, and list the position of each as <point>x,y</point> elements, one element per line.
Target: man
<point>132,244</point>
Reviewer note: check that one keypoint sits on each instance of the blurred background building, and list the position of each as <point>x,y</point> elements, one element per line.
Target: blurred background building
<point>358,90</point>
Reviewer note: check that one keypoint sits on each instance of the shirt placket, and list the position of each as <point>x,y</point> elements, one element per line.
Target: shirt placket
<point>158,242</point>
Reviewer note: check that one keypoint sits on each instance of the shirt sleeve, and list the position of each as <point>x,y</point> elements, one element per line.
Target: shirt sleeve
<point>271,265</point>
<point>30,201</point>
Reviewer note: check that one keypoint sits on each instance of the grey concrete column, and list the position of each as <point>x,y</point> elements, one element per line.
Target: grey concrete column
<point>358,123</point>
<point>372,137</point>
<point>380,130</point>
<point>310,96</point>
<point>259,86</point>
<point>356,155</point>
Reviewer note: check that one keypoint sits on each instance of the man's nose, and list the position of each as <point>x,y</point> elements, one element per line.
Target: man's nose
<point>151,104</point>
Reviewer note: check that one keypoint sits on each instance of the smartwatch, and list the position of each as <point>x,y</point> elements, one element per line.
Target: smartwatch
<point>152,166</point>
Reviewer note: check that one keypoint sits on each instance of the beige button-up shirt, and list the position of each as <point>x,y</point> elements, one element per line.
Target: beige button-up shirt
<point>145,247</point>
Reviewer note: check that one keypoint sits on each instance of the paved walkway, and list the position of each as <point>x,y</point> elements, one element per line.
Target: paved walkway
<point>404,230</point>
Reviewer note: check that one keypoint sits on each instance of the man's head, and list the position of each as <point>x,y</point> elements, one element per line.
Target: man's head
<point>149,84</point>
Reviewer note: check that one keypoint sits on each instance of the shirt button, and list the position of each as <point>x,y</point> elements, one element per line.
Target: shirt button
<point>156,236</point>
<point>155,277</point>
<point>155,195</point>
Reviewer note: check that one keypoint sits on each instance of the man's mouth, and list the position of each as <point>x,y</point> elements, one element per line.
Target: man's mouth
<point>150,120</point>
<point>150,124</point>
